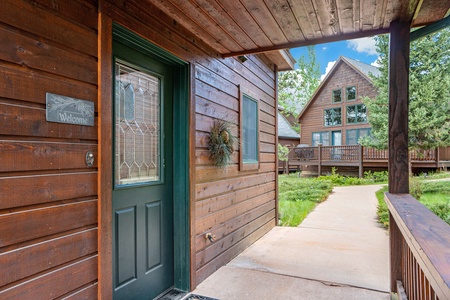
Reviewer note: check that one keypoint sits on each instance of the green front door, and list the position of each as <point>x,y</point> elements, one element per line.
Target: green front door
<point>143,246</point>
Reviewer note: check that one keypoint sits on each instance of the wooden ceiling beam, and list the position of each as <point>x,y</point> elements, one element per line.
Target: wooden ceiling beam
<point>329,39</point>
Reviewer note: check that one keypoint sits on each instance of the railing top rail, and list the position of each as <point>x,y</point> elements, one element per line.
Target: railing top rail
<point>427,236</point>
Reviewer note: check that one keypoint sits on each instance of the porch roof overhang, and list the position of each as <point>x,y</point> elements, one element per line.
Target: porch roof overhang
<point>240,27</point>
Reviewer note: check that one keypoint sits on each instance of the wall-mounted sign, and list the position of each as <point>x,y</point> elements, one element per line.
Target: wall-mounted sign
<point>62,109</point>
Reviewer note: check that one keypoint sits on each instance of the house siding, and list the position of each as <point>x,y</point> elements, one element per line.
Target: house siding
<point>344,76</point>
<point>49,197</point>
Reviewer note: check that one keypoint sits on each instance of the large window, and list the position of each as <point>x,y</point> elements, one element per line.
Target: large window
<point>336,96</point>
<point>356,114</point>
<point>350,93</point>
<point>332,117</point>
<point>322,137</point>
<point>353,135</point>
<point>249,133</point>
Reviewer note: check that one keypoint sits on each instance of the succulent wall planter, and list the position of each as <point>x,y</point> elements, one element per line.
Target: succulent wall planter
<point>221,143</point>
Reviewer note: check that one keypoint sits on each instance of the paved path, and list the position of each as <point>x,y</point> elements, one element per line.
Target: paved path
<point>338,252</point>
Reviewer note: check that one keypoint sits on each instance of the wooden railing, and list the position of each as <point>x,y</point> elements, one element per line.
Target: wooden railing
<point>419,250</point>
<point>351,153</point>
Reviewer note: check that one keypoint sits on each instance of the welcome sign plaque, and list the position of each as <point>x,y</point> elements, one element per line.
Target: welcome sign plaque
<point>62,109</point>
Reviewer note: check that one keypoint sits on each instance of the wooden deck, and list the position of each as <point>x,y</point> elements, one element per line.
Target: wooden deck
<point>359,157</point>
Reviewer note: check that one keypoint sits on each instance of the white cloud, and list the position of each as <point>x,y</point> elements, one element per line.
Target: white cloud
<point>363,45</point>
<point>375,63</point>
<point>327,69</point>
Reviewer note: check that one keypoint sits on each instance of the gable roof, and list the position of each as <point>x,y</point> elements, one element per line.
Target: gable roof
<point>362,68</point>
<point>285,129</point>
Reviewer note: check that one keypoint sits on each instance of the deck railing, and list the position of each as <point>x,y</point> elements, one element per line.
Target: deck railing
<point>420,250</point>
<point>352,153</point>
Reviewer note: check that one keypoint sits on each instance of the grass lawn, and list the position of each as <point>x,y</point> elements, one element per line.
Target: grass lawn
<point>434,195</point>
<point>299,196</point>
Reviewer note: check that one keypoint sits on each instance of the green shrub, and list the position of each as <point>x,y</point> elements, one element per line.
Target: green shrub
<point>382,212</point>
<point>378,177</point>
<point>434,195</point>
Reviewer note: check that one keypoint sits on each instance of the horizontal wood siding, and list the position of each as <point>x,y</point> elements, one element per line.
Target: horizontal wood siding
<point>344,76</point>
<point>48,196</point>
<point>237,207</point>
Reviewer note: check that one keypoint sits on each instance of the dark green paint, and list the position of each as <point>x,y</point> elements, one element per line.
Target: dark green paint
<point>176,151</point>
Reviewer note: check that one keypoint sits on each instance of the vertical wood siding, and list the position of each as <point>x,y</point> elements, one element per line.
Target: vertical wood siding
<point>48,196</point>
<point>344,76</point>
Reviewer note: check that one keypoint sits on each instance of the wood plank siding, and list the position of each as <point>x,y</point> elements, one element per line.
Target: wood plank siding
<point>342,76</point>
<point>48,196</point>
<point>51,203</point>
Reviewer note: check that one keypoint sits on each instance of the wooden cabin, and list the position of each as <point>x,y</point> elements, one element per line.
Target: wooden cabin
<point>106,186</point>
<point>117,190</point>
<point>336,118</point>
<point>335,115</point>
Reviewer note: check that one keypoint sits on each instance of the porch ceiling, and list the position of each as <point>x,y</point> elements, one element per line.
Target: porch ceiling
<point>237,27</point>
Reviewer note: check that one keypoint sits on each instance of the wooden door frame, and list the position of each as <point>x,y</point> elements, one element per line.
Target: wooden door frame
<point>181,196</point>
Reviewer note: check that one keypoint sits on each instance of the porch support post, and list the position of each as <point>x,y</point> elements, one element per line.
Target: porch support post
<point>360,162</point>
<point>319,164</point>
<point>398,133</point>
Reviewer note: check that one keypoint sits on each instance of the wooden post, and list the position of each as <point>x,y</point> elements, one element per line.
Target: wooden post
<point>360,162</point>
<point>436,155</point>
<point>319,164</point>
<point>398,133</point>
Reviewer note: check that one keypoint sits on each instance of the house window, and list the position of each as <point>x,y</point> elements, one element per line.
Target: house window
<point>337,96</point>
<point>356,114</point>
<point>350,93</point>
<point>249,133</point>
<point>332,116</point>
<point>353,135</point>
<point>322,137</point>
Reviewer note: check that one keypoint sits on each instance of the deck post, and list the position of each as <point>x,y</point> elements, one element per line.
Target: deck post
<point>319,163</point>
<point>360,162</point>
<point>436,156</point>
<point>398,133</point>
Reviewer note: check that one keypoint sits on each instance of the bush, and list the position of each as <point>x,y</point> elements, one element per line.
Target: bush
<point>382,212</point>
<point>376,176</point>
<point>442,210</point>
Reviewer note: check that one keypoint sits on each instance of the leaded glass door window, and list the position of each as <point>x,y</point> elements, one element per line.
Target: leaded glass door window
<point>137,126</point>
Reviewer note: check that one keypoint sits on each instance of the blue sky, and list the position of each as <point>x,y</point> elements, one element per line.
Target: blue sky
<point>327,54</point>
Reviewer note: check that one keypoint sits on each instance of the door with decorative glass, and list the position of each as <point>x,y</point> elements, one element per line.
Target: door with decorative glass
<point>143,265</point>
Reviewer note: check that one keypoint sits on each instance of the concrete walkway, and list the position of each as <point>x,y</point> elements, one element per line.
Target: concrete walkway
<point>338,252</point>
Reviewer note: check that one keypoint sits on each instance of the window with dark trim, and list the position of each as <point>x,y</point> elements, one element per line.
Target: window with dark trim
<point>336,96</point>
<point>350,93</point>
<point>332,116</point>
<point>249,133</point>
<point>352,135</point>
<point>322,137</point>
<point>356,114</point>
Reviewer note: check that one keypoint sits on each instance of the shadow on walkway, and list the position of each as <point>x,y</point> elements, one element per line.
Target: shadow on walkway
<point>338,252</point>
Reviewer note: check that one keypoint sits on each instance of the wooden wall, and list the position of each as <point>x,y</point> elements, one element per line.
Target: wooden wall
<point>48,196</point>
<point>344,76</point>
<point>237,207</point>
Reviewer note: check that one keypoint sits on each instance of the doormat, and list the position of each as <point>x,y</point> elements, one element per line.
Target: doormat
<point>198,297</point>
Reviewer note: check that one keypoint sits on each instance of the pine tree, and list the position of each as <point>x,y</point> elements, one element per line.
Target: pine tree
<point>429,94</point>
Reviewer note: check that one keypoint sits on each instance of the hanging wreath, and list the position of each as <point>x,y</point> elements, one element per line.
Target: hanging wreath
<point>220,143</point>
